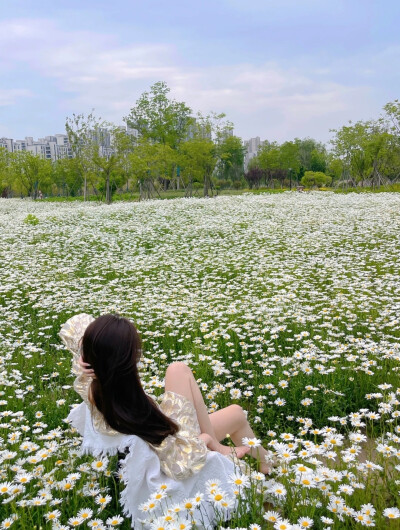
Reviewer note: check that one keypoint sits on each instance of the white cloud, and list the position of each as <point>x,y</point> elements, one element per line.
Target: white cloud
<point>13,95</point>
<point>91,70</point>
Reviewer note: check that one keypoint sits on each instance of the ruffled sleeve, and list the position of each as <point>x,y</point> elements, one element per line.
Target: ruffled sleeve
<point>183,454</point>
<point>71,334</point>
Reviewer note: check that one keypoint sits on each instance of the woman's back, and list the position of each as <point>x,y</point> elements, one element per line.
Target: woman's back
<point>181,462</point>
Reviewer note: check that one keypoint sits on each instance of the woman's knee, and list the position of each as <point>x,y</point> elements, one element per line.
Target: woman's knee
<point>238,412</point>
<point>177,369</point>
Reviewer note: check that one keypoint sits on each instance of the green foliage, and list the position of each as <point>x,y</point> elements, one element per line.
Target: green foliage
<point>31,173</point>
<point>369,152</point>
<point>315,179</point>
<point>176,149</point>
<point>231,154</point>
<point>318,161</point>
<point>159,118</point>
<point>307,147</point>
<point>6,174</point>
<point>31,219</point>
<point>289,160</point>
<point>198,160</point>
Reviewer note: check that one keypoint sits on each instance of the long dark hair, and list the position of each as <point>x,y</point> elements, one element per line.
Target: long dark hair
<point>112,346</point>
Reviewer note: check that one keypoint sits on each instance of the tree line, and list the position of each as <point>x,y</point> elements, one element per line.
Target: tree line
<point>174,149</point>
<point>365,153</point>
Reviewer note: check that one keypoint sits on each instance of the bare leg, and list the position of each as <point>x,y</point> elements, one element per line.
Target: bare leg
<point>179,379</point>
<point>232,420</point>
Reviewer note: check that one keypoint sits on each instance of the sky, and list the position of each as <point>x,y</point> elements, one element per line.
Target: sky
<point>278,69</point>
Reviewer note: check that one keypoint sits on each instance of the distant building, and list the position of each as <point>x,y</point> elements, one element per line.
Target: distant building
<point>7,143</point>
<point>57,146</point>
<point>252,146</point>
<point>130,131</point>
<point>197,130</point>
<point>50,147</point>
<point>225,134</point>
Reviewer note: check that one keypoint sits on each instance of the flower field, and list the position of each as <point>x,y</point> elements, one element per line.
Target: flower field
<point>287,304</point>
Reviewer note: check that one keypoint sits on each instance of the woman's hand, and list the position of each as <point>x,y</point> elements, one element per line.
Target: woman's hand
<point>86,368</point>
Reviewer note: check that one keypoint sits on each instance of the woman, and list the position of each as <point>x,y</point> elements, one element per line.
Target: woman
<point>177,442</point>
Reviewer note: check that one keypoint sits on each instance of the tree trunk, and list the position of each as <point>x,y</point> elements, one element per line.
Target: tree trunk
<point>108,195</point>
<point>205,185</point>
<point>85,187</point>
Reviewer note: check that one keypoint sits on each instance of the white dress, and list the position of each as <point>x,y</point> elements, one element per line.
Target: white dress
<point>182,462</point>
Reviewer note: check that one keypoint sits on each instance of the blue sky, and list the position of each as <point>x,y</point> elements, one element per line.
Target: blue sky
<point>278,69</point>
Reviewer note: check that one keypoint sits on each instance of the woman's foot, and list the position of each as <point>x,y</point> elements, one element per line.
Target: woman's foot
<point>233,452</point>
<point>266,468</point>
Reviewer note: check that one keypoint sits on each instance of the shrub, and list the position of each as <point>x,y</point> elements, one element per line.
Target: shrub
<point>31,219</point>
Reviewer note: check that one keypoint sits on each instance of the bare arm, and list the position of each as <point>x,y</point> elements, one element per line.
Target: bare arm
<point>210,442</point>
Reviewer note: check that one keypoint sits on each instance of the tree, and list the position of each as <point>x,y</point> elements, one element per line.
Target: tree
<point>318,161</point>
<point>84,135</point>
<point>268,156</point>
<point>392,118</point>
<point>160,119</point>
<point>32,173</point>
<point>348,145</point>
<point>334,167</point>
<point>198,160</point>
<point>289,157</point>
<point>108,155</point>
<point>254,176</point>
<point>368,152</point>
<point>306,147</point>
<point>150,163</point>
<point>66,177</point>
<point>6,175</point>
<point>124,145</point>
<point>231,154</point>
<point>105,166</point>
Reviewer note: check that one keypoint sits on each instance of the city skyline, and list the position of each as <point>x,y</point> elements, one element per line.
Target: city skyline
<point>277,69</point>
<point>56,146</point>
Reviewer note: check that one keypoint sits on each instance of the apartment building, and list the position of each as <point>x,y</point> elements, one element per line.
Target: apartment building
<point>50,147</point>
<point>57,146</point>
<point>252,146</point>
<point>7,143</point>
